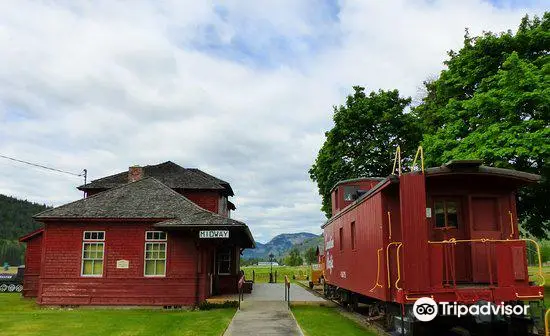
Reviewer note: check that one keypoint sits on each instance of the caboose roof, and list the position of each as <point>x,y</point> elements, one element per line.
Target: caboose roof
<point>170,174</point>
<point>474,167</point>
<point>147,198</point>
<point>359,179</point>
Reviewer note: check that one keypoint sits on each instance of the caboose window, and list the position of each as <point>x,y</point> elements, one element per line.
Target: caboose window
<point>349,192</point>
<point>446,214</point>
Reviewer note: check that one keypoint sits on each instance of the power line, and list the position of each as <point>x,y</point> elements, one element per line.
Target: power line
<point>84,172</point>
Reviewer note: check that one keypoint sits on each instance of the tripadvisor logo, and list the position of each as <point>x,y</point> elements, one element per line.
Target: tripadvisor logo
<point>426,309</point>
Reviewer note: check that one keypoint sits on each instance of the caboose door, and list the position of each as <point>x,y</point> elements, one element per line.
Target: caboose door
<point>448,224</point>
<point>484,216</point>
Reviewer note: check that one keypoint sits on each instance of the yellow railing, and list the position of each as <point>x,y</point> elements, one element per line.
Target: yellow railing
<point>486,240</point>
<point>398,244</point>
<point>377,283</point>
<point>397,160</point>
<point>389,224</point>
<point>421,152</point>
<point>547,322</point>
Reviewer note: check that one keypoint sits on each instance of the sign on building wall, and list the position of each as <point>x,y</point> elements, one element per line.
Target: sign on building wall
<point>214,234</point>
<point>122,264</point>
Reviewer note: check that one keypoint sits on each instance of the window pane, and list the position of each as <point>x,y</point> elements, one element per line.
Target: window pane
<point>101,235</point>
<point>162,235</point>
<point>87,235</point>
<point>439,208</point>
<point>87,267</point>
<point>452,217</point>
<point>160,267</point>
<point>99,254</point>
<point>150,267</point>
<point>162,255</point>
<point>98,267</point>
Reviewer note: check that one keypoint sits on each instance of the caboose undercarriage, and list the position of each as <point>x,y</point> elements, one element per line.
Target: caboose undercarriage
<point>398,319</point>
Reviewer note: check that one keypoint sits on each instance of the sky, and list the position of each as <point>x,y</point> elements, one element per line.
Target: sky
<point>240,89</point>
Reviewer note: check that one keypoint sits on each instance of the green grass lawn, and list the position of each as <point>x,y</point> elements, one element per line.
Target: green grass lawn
<point>262,272</point>
<point>326,321</point>
<point>11,270</point>
<point>23,317</point>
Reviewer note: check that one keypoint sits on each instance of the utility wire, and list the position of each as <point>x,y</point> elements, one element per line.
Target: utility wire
<point>44,167</point>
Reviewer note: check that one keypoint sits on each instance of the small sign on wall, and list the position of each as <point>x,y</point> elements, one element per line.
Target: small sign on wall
<point>214,234</point>
<point>428,212</point>
<point>122,264</point>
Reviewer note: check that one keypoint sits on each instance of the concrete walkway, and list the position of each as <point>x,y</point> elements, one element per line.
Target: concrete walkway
<point>263,318</point>
<point>264,311</point>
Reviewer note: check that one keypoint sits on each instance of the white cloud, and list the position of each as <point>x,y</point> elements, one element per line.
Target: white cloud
<point>241,89</point>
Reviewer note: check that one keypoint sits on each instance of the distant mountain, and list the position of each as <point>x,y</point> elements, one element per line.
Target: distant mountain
<point>279,245</point>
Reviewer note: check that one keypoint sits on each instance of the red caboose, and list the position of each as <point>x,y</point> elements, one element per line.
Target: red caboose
<point>448,233</point>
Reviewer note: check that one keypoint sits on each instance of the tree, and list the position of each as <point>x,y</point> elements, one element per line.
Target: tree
<point>493,103</point>
<point>311,255</point>
<point>294,258</point>
<point>366,133</point>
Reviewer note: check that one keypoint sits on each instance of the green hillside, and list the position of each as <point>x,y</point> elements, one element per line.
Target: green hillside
<point>16,221</point>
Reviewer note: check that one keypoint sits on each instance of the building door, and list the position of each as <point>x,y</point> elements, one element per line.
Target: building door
<point>484,214</point>
<point>449,223</point>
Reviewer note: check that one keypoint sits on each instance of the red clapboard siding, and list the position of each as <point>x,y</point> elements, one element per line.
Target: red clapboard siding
<point>32,266</point>
<point>205,199</point>
<point>61,282</point>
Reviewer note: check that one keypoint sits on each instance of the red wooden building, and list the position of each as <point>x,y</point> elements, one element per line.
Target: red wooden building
<point>153,235</point>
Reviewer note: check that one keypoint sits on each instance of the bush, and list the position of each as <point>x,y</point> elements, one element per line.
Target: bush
<point>209,305</point>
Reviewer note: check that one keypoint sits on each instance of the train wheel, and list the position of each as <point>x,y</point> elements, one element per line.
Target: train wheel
<point>11,288</point>
<point>3,287</point>
<point>19,288</point>
<point>458,331</point>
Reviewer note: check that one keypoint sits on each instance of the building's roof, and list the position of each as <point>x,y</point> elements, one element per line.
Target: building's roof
<point>31,235</point>
<point>143,199</point>
<point>170,174</point>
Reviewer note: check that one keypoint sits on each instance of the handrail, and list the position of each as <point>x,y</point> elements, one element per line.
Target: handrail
<point>486,240</point>
<point>421,151</point>
<point>389,224</point>
<point>388,260</point>
<point>547,322</point>
<point>511,224</point>
<point>397,154</point>
<point>377,283</point>
<point>398,268</point>
<point>287,291</point>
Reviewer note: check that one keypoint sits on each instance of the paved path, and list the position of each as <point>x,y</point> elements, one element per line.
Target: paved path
<point>263,318</point>
<point>264,312</point>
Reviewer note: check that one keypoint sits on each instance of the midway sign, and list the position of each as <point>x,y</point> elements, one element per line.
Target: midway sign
<point>214,234</point>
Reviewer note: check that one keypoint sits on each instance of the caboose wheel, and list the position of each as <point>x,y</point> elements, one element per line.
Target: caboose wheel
<point>3,287</point>
<point>11,288</point>
<point>19,288</point>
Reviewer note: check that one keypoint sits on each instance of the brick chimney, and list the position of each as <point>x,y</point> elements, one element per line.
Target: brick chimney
<point>135,173</point>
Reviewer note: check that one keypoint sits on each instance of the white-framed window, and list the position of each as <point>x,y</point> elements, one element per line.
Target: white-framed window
<point>223,261</point>
<point>155,254</point>
<point>93,253</point>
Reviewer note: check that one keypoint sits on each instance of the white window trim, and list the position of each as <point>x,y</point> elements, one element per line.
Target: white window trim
<point>92,240</point>
<point>82,259</point>
<point>155,240</point>
<point>149,241</point>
